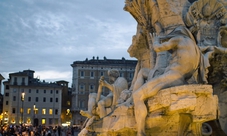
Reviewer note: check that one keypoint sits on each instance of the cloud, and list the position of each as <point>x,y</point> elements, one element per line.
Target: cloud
<point>49,35</point>
<point>51,75</point>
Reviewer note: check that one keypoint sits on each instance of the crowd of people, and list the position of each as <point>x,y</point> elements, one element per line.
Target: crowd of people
<point>22,130</point>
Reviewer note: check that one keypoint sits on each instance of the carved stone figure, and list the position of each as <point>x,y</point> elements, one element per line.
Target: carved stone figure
<point>181,69</point>
<point>185,59</point>
<point>110,101</point>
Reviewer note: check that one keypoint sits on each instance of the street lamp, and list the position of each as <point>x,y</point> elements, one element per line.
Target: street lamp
<point>22,111</point>
<point>34,114</point>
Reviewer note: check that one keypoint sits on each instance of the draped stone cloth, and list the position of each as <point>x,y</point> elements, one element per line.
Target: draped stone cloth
<point>119,85</point>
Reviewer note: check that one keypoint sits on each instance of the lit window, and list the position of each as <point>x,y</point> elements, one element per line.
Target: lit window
<point>29,111</point>
<point>68,102</point>
<point>50,111</point>
<point>44,111</point>
<point>36,110</point>
<point>21,110</point>
<point>43,121</point>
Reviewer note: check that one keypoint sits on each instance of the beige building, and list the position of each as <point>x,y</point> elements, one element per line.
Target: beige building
<point>31,101</point>
<point>85,79</point>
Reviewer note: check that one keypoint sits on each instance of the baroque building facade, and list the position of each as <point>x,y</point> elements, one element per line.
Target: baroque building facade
<point>85,80</point>
<point>27,100</point>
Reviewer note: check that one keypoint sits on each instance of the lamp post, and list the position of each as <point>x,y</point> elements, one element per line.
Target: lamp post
<point>22,111</point>
<point>34,114</point>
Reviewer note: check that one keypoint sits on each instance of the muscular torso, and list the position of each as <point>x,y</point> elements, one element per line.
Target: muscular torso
<point>185,56</point>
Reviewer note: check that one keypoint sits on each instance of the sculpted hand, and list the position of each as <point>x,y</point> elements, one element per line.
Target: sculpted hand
<point>154,38</point>
<point>102,82</point>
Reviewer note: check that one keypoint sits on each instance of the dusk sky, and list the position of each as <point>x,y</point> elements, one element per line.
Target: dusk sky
<point>47,36</point>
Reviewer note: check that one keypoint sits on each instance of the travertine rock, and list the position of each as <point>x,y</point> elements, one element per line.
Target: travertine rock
<point>180,79</point>
<point>173,111</point>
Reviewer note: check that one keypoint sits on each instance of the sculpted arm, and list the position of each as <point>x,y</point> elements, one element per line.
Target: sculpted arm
<point>165,46</point>
<point>105,84</point>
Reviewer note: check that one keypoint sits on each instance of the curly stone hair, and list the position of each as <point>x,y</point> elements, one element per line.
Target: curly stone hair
<point>114,73</point>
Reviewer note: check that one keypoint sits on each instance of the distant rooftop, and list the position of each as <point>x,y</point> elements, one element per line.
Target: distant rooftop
<point>35,81</point>
<point>105,61</point>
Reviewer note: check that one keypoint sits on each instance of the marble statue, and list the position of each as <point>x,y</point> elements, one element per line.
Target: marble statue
<point>185,60</point>
<point>110,101</point>
<point>180,81</point>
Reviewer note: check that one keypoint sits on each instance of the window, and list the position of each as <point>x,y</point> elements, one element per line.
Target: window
<point>50,111</point>
<point>15,81</point>
<point>56,111</point>
<point>91,74</point>
<point>82,74</point>
<point>43,111</point>
<point>14,90</point>
<point>56,91</point>
<point>21,110</point>
<point>43,121</point>
<point>7,86</point>
<point>7,102</point>
<point>36,99</point>
<point>29,91</point>
<point>51,91</point>
<point>29,111</point>
<point>44,91</point>
<point>50,121</point>
<point>37,91</point>
<point>13,110</point>
<point>81,103</point>
<point>44,99</point>
<point>14,98</point>
<point>130,75</point>
<point>6,94</point>
<point>29,99</point>
<point>91,87</point>
<point>68,103</point>
<point>82,87</point>
<point>101,73</point>
<point>121,74</point>
<point>23,81</point>
<point>36,110</point>
<point>51,99</point>
<point>56,100</point>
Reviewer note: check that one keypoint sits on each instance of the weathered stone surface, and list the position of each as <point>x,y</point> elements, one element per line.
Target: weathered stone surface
<point>180,80</point>
<point>164,120</point>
